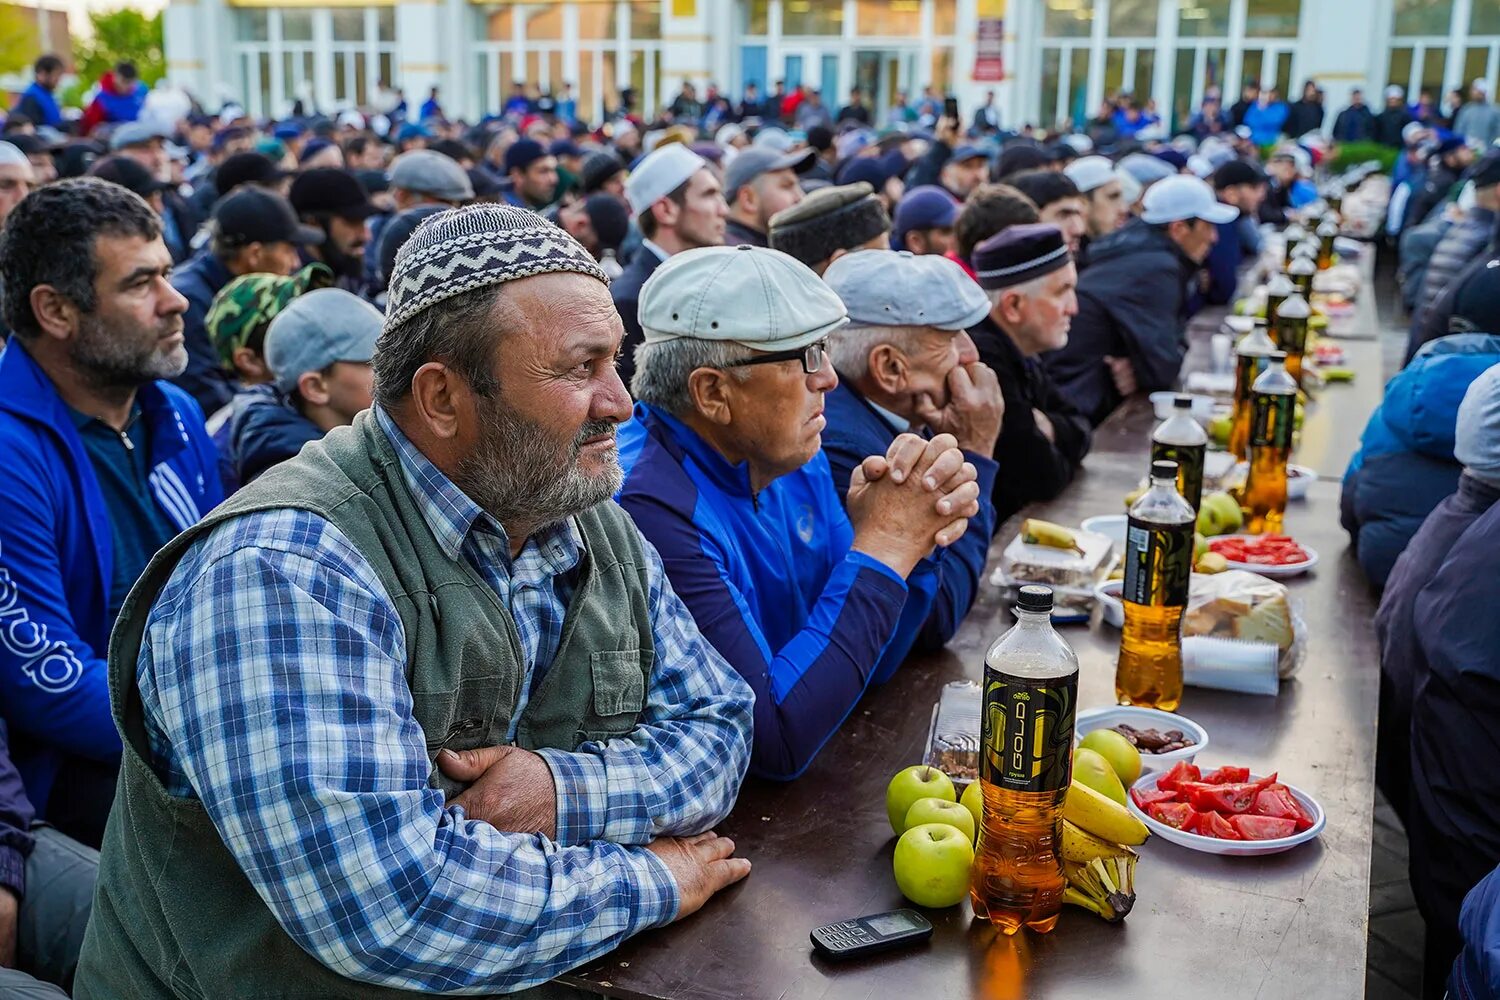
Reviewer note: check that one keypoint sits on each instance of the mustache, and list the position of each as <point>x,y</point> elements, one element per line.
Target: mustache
<point>593,429</point>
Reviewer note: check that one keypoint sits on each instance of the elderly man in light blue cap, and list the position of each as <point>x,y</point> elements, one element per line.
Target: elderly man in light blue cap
<point>906,363</point>
<point>726,476</point>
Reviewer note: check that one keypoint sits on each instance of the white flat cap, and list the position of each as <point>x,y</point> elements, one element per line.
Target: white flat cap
<point>659,174</point>
<point>1090,172</point>
<point>752,296</point>
<point>897,288</point>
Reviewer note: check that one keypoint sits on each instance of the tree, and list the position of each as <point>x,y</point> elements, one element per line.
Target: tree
<point>121,34</point>
<point>18,38</point>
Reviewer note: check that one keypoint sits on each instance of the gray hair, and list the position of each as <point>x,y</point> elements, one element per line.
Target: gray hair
<point>1027,289</point>
<point>459,331</point>
<point>662,369</point>
<point>849,348</point>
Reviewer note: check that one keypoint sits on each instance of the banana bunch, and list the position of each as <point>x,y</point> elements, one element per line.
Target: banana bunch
<point>1096,850</point>
<point>1035,531</point>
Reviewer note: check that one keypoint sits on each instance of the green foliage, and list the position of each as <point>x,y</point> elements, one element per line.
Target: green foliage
<point>18,39</point>
<point>1350,154</point>
<point>121,34</point>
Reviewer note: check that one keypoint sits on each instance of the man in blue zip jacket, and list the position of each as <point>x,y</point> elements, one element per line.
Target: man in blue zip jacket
<point>726,477</point>
<point>906,363</point>
<point>103,464</point>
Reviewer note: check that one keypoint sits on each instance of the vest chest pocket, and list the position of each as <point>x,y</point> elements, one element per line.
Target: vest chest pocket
<point>619,677</point>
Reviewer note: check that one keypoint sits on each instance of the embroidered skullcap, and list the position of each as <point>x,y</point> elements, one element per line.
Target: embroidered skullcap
<point>473,247</point>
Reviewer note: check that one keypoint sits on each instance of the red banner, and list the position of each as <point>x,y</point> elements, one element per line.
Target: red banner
<point>989,51</point>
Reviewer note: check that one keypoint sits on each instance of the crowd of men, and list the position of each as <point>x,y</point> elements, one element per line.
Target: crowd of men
<point>308,558</point>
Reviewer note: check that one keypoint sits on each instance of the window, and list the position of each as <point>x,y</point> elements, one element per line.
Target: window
<point>348,24</point>
<point>543,23</point>
<point>499,24</point>
<point>829,82</point>
<point>942,69</point>
<point>385,20</point>
<point>1432,68</point>
<point>296,25</point>
<point>1273,18</point>
<point>1484,19</point>
<point>1424,17</point>
<point>1182,88</point>
<point>1145,70</point>
<point>945,18</point>
<point>1476,65</point>
<point>645,19</point>
<point>1068,18</point>
<point>891,18</point>
<point>757,17</point>
<point>813,17</point>
<point>596,21</point>
<point>1050,82</point>
<point>1398,70</point>
<point>254,25</point>
<point>1132,18</point>
<point>1203,18</point>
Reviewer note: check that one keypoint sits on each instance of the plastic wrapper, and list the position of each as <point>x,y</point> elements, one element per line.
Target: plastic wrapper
<point>953,739</point>
<point>1071,575</point>
<point>1249,607</point>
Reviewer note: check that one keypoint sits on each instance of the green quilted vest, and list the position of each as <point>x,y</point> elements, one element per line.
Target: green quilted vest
<point>173,914</point>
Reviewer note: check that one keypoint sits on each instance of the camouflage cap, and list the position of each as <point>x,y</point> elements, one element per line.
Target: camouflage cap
<point>246,306</point>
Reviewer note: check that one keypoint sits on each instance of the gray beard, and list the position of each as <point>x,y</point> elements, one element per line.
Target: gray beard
<point>112,361</point>
<point>521,479</point>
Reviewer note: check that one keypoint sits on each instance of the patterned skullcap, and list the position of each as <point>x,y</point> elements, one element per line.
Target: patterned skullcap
<point>468,248</point>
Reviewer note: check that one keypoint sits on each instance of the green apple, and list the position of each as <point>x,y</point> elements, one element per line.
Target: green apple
<point>1200,546</point>
<point>1220,514</point>
<point>973,800</point>
<point>1115,748</point>
<point>931,810</point>
<point>1091,769</point>
<point>916,782</point>
<point>932,864</point>
<point>1210,563</point>
<point>1220,427</point>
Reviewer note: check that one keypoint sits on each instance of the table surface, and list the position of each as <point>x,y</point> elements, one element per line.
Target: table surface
<point>1293,924</point>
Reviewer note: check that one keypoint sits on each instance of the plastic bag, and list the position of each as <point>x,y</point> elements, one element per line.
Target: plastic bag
<point>1070,575</point>
<point>1239,605</point>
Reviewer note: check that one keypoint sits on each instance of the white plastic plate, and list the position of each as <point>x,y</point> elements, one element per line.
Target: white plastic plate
<point>1289,569</point>
<point>1230,848</point>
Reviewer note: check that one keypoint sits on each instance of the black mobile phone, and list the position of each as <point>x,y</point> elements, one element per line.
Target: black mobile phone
<point>950,108</point>
<point>875,933</point>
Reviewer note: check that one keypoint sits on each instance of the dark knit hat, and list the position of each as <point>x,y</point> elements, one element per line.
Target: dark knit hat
<point>1018,157</point>
<point>468,248</point>
<point>523,153</point>
<point>1476,306</point>
<point>396,232</point>
<point>1017,254</point>
<point>598,167</point>
<point>828,220</point>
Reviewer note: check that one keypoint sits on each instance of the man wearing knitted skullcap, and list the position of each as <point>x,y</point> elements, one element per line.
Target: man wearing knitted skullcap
<point>1029,275</point>
<point>831,222</point>
<point>430,639</point>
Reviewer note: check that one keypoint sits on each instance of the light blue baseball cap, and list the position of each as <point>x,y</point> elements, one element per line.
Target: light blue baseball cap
<point>315,330</point>
<point>898,288</point>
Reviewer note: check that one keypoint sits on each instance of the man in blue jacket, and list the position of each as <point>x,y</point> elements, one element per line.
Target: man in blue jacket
<point>906,363</point>
<point>1440,683</point>
<point>1476,972</point>
<point>726,477</point>
<point>103,464</point>
<point>38,102</point>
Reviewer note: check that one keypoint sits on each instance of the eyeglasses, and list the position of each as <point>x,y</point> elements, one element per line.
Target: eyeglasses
<point>813,357</point>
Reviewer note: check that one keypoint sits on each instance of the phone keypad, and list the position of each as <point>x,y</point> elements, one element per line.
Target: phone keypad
<point>848,934</point>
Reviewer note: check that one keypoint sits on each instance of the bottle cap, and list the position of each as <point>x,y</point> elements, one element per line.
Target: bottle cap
<point>1182,402</point>
<point>1278,355</point>
<point>1035,598</point>
<point>1163,469</point>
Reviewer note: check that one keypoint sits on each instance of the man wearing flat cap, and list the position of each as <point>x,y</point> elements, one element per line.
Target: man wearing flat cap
<point>758,184</point>
<point>1131,331</point>
<point>831,222</point>
<point>726,477</point>
<point>679,205</point>
<point>418,711</point>
<point>906,363</point>
<point>1029,276</point>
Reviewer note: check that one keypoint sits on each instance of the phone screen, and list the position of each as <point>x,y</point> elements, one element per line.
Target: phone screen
<point>950,108</point>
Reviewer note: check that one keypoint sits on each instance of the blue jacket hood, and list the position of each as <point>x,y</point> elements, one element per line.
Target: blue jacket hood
<point>1421,402</point>
<point>265,429</point>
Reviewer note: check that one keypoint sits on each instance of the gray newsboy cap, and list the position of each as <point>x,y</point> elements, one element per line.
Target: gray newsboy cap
<point>429,172</point>
<point>468,248</point>
<point>897,288</point>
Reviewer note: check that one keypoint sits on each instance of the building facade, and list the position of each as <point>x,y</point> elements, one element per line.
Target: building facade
<point>1056,59</point>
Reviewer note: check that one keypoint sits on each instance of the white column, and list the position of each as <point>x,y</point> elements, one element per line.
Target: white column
<point>970,92</point>
<point>774,68</point>
<point>279,102</point>
<point>323,57</point>
<point>1094,92</point>
<point>1234,58</point>
<point>1019,96</point>
<point>846,59</point>
<point>1343,53</point>
<point>622,45</point>
<point>925,49</point>
<point>1164,74</point>
<point>1458,36</point>
<point>420,57</point>
<point>570,61</point>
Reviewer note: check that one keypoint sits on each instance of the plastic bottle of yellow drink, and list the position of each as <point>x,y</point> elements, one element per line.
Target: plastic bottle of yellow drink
<point>1251,356</point>
<point>1291,333</point>
<point>1301,271</point>
<point>1273,410</point>
<point>1328,231</point>
<point>1025,767</point>
<point>1158,564</point>
<point>1293,235</point>
<point>1181,439</point>
<point>1277,289</point>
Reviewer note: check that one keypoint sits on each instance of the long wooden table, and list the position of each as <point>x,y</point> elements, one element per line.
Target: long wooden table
<point>1290,925</point>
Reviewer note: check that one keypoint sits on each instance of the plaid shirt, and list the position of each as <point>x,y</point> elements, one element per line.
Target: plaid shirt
<point>273,679</point>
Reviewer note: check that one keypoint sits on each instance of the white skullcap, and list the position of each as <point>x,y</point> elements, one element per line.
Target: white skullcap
<point>659,174</point>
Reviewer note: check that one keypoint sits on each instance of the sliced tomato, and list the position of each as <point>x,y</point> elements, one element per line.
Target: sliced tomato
<point>1267,782</point>
<point>1227,776</point>
<point>1144,798</point>
<point>1236,798</point>
<point>1177,815</point>
<point>1262,827</point>
<point>1181,771</point>
<point>1211,824</point>
<point>1278,802</point>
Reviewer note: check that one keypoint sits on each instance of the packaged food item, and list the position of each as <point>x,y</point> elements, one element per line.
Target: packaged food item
<point>1246,606</point>
<point>953,738</point>
<point>1071,573</point>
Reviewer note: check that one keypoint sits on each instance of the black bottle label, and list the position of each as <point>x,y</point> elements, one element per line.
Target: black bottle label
<point>1028,732</point>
